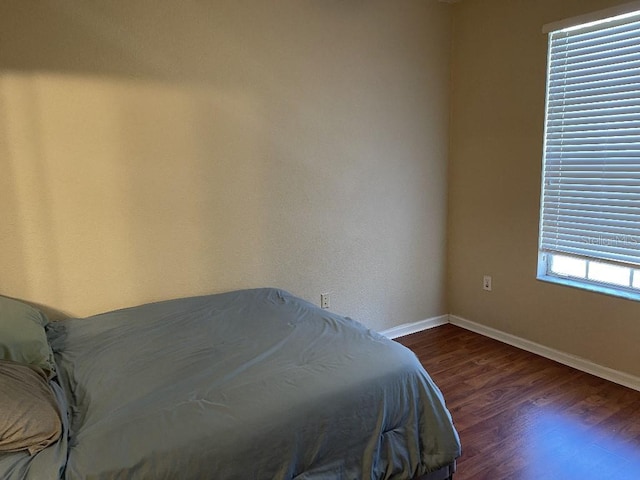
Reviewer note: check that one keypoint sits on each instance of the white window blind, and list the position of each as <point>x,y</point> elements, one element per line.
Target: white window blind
<point>591,184</point>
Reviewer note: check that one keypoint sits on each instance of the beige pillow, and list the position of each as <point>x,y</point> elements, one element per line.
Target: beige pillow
<point>30,418</point>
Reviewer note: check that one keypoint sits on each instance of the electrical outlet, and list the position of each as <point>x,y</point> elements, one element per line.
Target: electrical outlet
<point>324,300</point>
<point>486,283</point>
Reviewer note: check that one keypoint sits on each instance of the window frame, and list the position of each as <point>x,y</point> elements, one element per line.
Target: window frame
<point>545,256</point>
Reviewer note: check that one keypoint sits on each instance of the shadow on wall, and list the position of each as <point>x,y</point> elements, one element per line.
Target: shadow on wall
<point>133,153</point>
<point>126,162</point>
<point>144,142</point>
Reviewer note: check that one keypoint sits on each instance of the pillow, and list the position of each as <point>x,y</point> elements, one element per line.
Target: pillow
<point>30,417</point>
<point>22,335</point>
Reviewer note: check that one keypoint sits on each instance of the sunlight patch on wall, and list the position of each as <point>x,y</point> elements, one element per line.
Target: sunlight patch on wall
<point>122,184</point>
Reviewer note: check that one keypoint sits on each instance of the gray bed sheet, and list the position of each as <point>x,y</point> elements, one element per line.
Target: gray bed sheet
<point>254,384</point>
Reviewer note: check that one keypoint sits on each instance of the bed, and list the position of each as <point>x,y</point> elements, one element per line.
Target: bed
<point>251,384</point>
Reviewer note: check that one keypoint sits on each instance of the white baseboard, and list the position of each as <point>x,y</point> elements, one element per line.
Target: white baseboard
<point>573,361</point>
<point>578,363</point>
<point>409,328</point>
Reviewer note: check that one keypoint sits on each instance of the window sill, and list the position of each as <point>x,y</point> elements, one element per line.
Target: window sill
<point>591,287</point>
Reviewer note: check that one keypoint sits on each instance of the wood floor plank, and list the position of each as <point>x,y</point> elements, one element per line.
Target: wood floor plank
<point>524,417</point>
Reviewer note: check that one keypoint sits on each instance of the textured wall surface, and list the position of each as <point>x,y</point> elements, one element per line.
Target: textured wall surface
<point>152,150</point>
<point>499,68</point>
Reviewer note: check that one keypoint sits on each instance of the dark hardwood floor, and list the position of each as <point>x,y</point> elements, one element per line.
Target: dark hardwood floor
<point>521,416</point>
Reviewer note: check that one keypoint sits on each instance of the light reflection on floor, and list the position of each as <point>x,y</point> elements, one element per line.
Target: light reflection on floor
<point>561,447</point>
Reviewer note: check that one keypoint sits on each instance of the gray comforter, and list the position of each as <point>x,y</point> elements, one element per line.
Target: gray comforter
<point>255,384</point>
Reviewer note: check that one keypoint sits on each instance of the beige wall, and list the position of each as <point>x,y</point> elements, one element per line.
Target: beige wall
<point>498,64</point>
<point>152,150</point>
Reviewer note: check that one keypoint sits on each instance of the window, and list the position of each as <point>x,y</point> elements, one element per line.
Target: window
<point>590,208</point>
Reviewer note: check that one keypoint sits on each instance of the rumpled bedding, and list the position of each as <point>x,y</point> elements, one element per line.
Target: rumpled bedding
<point>253,384</point>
